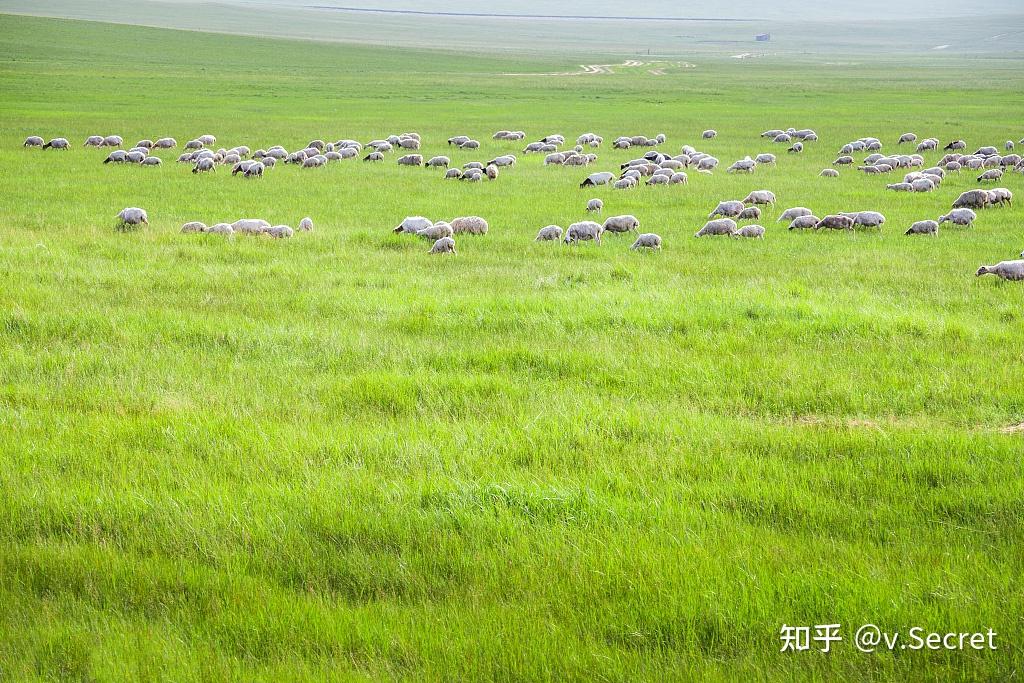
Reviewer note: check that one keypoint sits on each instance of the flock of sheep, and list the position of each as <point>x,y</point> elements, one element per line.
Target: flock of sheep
<point>656,166</point>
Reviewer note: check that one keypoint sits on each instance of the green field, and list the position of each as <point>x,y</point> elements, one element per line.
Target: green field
<point>338,458</point>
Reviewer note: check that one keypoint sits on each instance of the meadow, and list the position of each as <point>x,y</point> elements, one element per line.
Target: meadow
<point>335,457</point>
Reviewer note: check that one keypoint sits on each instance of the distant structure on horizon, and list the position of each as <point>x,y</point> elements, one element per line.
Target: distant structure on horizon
<point>763,37</point>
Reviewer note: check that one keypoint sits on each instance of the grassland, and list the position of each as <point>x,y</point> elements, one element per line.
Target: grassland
<point>337,458</point>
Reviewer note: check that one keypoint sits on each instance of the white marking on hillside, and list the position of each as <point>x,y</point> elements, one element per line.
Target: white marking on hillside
<point>940,47</point>
<point>608,69</point>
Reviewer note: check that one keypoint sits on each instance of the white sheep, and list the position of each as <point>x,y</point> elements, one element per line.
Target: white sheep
<point>961,216</point>
<point>250,226</point>
<point>752,231</point>
<point>280,232</point>
<point>721,226</point>
<point>413,224</point>
<point>473,225</point>
<point>194,226</point>
<point>923,228</point>
<point>131,217</point>
<point>306,224</point>
<point>549,233</point>
<point>760,197</point>
<point>583,231</point>
<point>445,245</point>
<point>727,209</point>
<point>220,229</point>
<point>647,240</point>
<point>436,231</point>
<point>595,206</point>
<point>1007,270</point>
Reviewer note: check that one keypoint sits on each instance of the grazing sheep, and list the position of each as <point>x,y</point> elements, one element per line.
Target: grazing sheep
<point>58,143</point>
<point>829,173</point>
<point>152,161</point>
<point>678,178</point>
<point>746,165</point>
<point>922,185</point>
<point>900,187</point>
<point>907,137</point>
<point>555,159</point>
<point>491,172</point>
<point>867,219</point>
<point>411,160</point>
<point>469,144</point>
<point>549,233</point>
<point>1000,196</point>
<point>804,222</point>
<point>413,224</point>
<point>472,175</point>
<point>796,148</point>
<point>795,212</point>
<point>474,225</point>
<point>250,226</point>
<point>280,232</point>
<point>760,197</point>
<point>166,143</point>
<point>194,226</point>
<point>436,231</point>
<point>131,217</point>
<point>583,231</point>
<point>658,179</point>
<point>453,174</point>
<point>503,161</point>
<point>993,174</point>
<point>602,178</point>
<point>445,245</point>
<point>1007,270</point>
<point>113,141</point>
<point>709,135</point>
<point>764,159</point>
<point>438,161</point>
<point>374,156</point>
<point>241,167</point>
<point>207,140</point>
<point>595,205</point>
<point>135,157</point>
<point>923,228</point>
<point>220,229</point>
<point>727,209</point>
<point>647,240</point>
<point>194,144</point>
<point>753,231</point>
<point>625,223</point>
<point>962,216</point>
<point>843,161</point>
<point>625,183</point>
<point>954,145</point>
<point>118,156</point>
<point>720,226</point>
<point>1008,146</point>
<point>306,224</point>
<point>91,141</point>
<point>835,222</point>
<point>974,199</point>
<point>204,165</point>
<point>707,164</point>
<point>751,213</point>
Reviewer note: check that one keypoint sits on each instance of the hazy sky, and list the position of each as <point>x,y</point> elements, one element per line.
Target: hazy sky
<point>735,9</point>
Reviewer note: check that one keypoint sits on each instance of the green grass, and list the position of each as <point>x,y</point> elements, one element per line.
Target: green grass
<point>337,458</point>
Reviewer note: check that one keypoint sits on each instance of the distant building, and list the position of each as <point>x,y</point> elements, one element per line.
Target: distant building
<point>763,37</point>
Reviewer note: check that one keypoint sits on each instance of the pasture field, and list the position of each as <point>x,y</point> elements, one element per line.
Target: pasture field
<point>335,457</point>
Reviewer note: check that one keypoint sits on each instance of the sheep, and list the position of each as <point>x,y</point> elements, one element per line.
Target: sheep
<point>625,223</point>
<point>582,232</point>
<point>829,173</point>
<point>986,151</point>
<point>658,179</point>
<point>602,178</point>
<point>241,167</point>
<point>152,161</point>
<point>782,138</point>
<point>250,226</point>
<point>280,232</point>
<point>269,162</point>
<point>220,229</point>
<point>436,231</point>
<point>962,216</point>
<point>1007,270</point>
<point>58,143</point>
<point>707,164</point>
<point>679,178</point>
<point>473,165</point>
<point>441,161</point>
<point>595,206</point>
<point>459,139</point>
<point>135,157</point>
<point>795,212</point>
<point>413,224</point>
<point>113,141</point>
<point>753,231</point>
<point>900,187</point>
<point>922,185</point>
<point>835,222</point>
<point>131,217</point>
<point>207,140</point>
<point>709,135</point>
<point>409,143</point>
<point>1008,146</point>
<point>796,148</point>
<point>469,144</point>
<point>804,222</point>
<point>411,160</point>
<point>729,208</point>
<point>491,172</point>
<point>867,219</point>
<point>907,137</point>
<point>764,159</point>
<point>166,143</point>
<point>625,183</point>
<point>647,240</point>
<point>445,245</point>
<point>472,175</point>
<point>772,133</point>
<point>843,161</point>
<point>974,199</point>
<point>745,165</point>
<point>254,170</point>
<point>751,213</point>
<point>204,165</point>
<point>453,174</point>
<point>954,145</point>
<point>760,197</point>
<point>35,141</point>
<point>993,174</point>
<point>91,141</point>
<point>720,226</point>
<point>194,226</point>
<point>923,228</point>
<point>474,225</point>
<point>306,224</point>
<point>194,144</point>
<point>1000,196</point>
<point>374,156</point>
<point>555,159</point>
<point>550,233</point>
<point>503,160</point>
<point>118,156</point>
